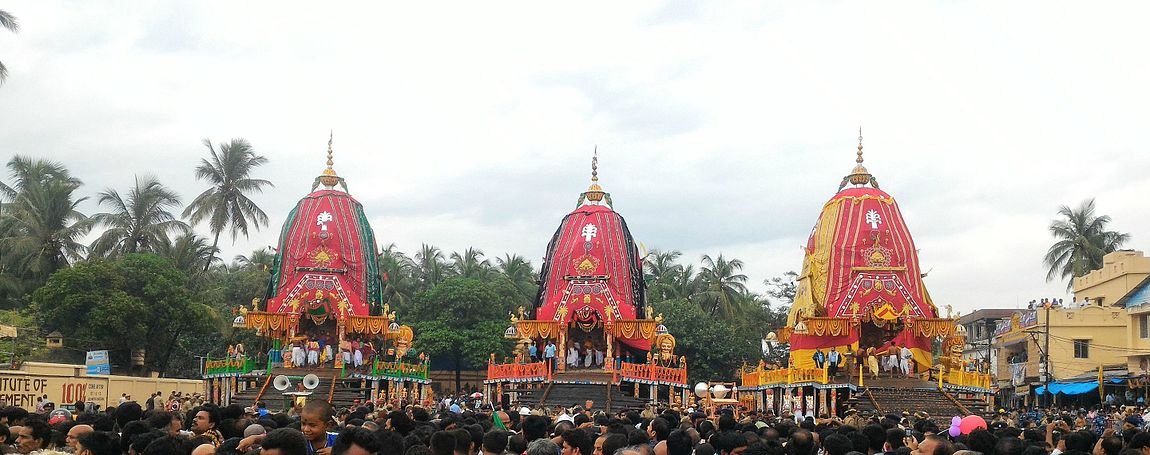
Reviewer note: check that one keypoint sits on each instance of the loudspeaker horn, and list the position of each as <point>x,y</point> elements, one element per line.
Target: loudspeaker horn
<point>311,381</point>
<point>281,383</point>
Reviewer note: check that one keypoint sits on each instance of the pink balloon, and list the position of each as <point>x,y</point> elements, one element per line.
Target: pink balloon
<point>971,423</point>
<point>954,431</point>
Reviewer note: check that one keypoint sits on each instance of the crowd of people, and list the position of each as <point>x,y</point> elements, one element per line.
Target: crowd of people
<point>467,426</point>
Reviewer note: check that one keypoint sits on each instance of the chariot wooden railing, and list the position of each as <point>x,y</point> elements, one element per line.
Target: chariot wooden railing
<point>518,371</point>
<point>652,373</point>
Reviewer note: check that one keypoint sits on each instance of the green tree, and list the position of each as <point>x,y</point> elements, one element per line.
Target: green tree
<point>772,314</point>
<point>715,348</point>
<point>40,225</point>
<point>188,253</point>
<point>521,274</point>
<point>260,259</point>
<point>139,301</point>
<point>8,21</point>
<point>724,290</point>
<point>462,319</point>
<point>662,271</point>
<point>23,346</point>
<point>1081,240</point>
<point>470,264</point>
<point>226,204</point>
<point>397,273</point>
<point>782,289</point>
<point>28,172</point>
<point>431,267</point>
<point>681,284</point>
<point>138,223</point>
<point>224,290</point>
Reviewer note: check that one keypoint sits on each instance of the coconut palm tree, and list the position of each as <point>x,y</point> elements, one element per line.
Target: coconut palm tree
<point>518,270</point>
<point>470,264</point>
<point>681,283</point>
<point>40,225</point>
<point>139,222</point>
<point>724,290</point>
<point>28,172</point>
<point>261,259</point>
<point>1081,240</point>
<point>397,273</point>
<point>661,269</point>
<point>431,268</point>
<point>225,204</point>
<point>188,252</point>
<point>8,21</point>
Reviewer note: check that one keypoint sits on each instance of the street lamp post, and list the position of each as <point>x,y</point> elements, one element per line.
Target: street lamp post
<point>1046,359</point>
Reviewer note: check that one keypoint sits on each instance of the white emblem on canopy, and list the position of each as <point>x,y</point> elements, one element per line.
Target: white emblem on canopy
<point>589,232</point>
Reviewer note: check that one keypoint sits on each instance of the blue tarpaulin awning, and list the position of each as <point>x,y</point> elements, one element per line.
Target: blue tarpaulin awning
<point>1068,388</point>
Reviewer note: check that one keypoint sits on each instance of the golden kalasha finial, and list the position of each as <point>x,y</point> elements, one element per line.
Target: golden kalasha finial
<point>859,158</point>
<point>859,175</point>
<point>331,135</point>
<point>595,165</point>
<point>594,192</point>
<point>328,178</point>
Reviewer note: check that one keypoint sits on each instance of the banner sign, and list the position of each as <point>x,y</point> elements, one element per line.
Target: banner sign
<point>97,362</point>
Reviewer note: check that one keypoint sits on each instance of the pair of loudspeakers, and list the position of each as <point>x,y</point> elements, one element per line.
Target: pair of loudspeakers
<point>283,382</point>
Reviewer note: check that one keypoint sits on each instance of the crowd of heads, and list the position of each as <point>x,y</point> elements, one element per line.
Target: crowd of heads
<point>364,429</point>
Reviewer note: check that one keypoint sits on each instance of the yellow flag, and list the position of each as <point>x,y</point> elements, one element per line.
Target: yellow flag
<point>1101,392</point>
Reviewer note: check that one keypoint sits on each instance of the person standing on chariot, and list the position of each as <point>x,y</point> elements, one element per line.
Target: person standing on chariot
<point>357,353</point>
<point>368,351</point>
<point>312,352</point>
<point>298,355</point>
<point>573,356</point>
<point>328,349</point>
<point>345,351</point>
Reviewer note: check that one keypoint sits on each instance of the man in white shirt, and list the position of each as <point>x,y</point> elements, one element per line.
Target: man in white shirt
<point>905,356</point>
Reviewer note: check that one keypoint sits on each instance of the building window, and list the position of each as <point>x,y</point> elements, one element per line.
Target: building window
<point>1144,326</point>
<point>1081,349</point>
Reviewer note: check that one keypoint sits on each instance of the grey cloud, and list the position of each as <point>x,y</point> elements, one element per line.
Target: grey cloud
<point>634,108</point>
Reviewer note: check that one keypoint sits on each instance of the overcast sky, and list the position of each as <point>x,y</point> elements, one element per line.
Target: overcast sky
<point>722,127</point>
